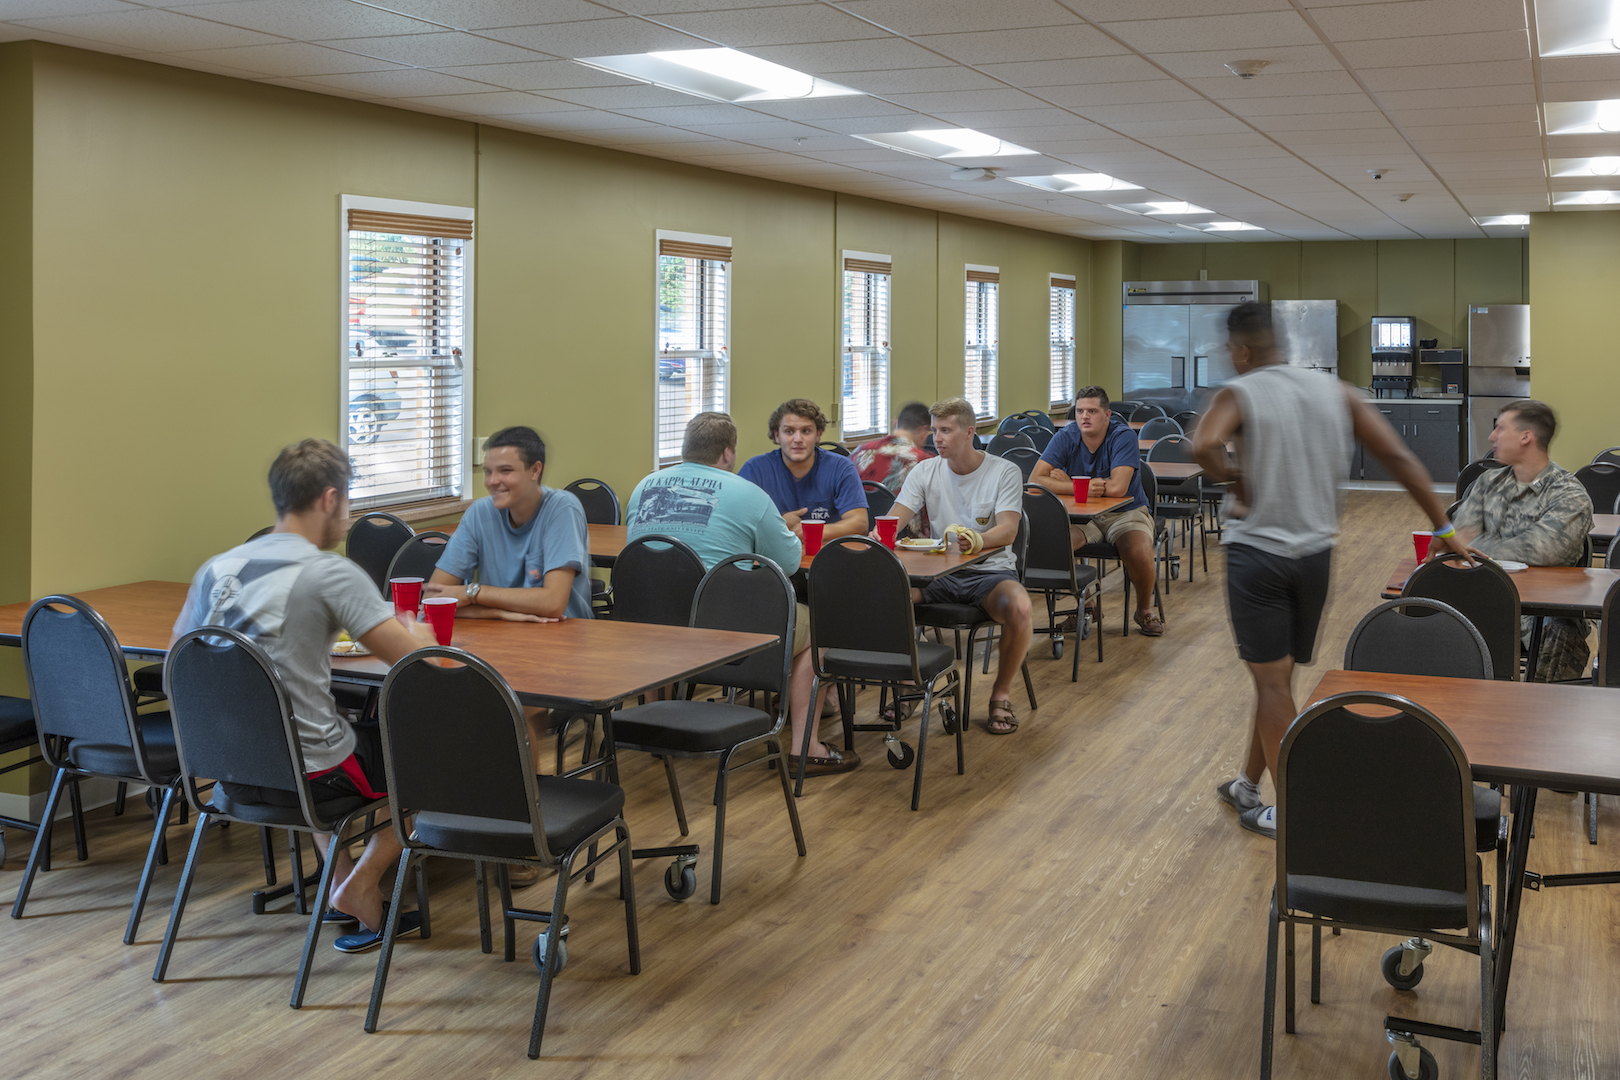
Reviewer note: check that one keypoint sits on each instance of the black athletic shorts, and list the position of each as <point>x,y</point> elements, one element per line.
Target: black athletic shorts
<point>969,585</point>
<point>1276,603</point>
<point>333,784</point>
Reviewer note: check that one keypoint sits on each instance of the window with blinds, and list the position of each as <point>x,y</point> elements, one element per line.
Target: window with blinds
<point>865,362</point>
<point>979,386</point>
<point>694,335</point>
<point>405,365</point>
<point>1061,337</point>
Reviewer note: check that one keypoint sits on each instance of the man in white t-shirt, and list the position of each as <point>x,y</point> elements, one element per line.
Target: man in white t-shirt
<point>968,487</point>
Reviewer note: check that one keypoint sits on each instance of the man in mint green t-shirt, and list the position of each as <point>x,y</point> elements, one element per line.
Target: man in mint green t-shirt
<point>719,514</point>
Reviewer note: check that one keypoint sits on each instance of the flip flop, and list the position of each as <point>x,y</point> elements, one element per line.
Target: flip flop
<point>363,940</point>
<point>1009,719</point>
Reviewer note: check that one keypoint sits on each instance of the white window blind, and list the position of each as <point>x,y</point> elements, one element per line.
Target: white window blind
<point>865,371</point>
<point>406,288</point>
<point>694,335</point>
<point>1062,340</point>
<point>983,284</point>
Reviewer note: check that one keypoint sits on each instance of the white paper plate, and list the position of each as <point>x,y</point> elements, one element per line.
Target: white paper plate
<point>916,543</point>
<point>349,648</point>
<point>1512,567</point>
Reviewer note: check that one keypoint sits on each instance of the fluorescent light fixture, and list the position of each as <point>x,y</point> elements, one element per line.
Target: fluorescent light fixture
<point>1577,27</point>
<point>1075,182</point>
<point>946,143</point>
<point>1173,209</point>
<point>1584,166</point>
<point>1603,166</point>
<point>1504,219</point>
<point>1571,200</point>
<point>718,74</point>
<point>1583,117</point>
<point>1230,226</point>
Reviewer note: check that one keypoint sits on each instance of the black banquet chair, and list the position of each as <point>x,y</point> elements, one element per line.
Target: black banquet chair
<point>233,723</point>
<point>373,540</point>
<point>861,614</point>
<point>1024,457</point>
<point>1181,500</point>
<point>84,706</point>
<point>1051,570</point>
<point>1473,471</point>
<point>1015,422</point>
<point>1375,832</point>
<point>18,732</point>
<point>879,499</point>
<point>1602,483</point>
<point>1188,420</point>
<point>1123,409</point>
<point>1158,428</point>
<point>1146,412</point>
<point>654,581</point>
<point>833,448</point>
<point>1483,594</point>
<point>747,593</point>
<point>1000,444</point>
<point>1040,436</point>
<point>1611,456</point>
<point>485,804</point>
<point>418,556</point>
<point>1042,420</point>
<point>601,507</point>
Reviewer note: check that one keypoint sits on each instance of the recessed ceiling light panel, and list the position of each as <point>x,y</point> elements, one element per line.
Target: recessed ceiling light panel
<point>1171,209</point>
<point>1570,200</point>
<point>718,74</point>
<point>1585,166</point>
<point>1230,226</point>
<point>1577,27</point>
<point>1583,117</point>
<point>1504,219</point>
<point>1075,182</point>
<point>946,144</point>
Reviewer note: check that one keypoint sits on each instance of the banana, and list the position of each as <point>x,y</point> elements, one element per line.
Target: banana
<point>975,540</point>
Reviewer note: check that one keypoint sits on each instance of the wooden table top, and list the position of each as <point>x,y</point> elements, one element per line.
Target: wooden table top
<point>1605,526</point>
<point>1541,734</point>
<point>1543,590</point>
<point>1136,425</point>
<point>1092,506</point>
<point>587,663</point>
<point>606,541</point>
<point>1176,470</point>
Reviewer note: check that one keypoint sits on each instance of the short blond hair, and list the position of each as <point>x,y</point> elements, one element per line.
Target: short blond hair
<point>708,436</point>
<point>955,406</point>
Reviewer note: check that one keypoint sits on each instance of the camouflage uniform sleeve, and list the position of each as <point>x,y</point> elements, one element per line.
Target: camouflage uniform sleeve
<point>1557,536</point>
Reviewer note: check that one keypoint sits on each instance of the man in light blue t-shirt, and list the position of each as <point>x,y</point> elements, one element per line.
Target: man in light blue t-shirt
<point>701,503</point>
<point>804,483</point>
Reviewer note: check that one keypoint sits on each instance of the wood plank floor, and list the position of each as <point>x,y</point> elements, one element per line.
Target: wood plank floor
<point>1079,904</point>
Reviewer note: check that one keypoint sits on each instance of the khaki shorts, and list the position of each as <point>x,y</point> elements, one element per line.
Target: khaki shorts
<point>1110,525</point>
<point>801,629</point>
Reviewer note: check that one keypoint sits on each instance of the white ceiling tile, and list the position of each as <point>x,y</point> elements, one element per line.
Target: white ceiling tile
<point>444,49</point>
<point>1462,97</point>
<point>882,54</point>
<point>764,129</point>
<point>915,17</point>
<point>691,111</point>
<point>1006,118</point>
<point>1431,76</point>
<point>1580,68</point>
<point>1271,29</point>
<point>1458,48</point>
<point>289,59</point>
<point>1262,109</point>
<point>1418,18</point>
<point>821,110</point>
<point>32,9</point>
<point>581,121</point>
<point>1075,71</point>
<point>597,37</point>
<point>483,14</point>
<point>915,80</point>
<point>1508,115</point>
<point>1116,116</point>
<point>944,101</point>
<point>1157,129</point>
<point>1090,95</point>
<point>633,96</point>
<point>1371,120</point>
<point>148,30</point>
<point>401,82</point>
<point>310,20</point>
<point>775,26</point>
<point>1207,64</point>
<point>1005,46</point>
<point>497,103</point>
<point>539,75</point>
<point>190,64</point>
<point>1272,84</point>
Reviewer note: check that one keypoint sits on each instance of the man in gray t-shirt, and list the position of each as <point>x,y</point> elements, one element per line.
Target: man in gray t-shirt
<point>291,598</point>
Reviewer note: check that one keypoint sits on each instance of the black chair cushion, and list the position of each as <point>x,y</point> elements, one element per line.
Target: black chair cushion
<point>598,587</point>
<point>933,660</point>
<point>1097,551</point>
<point>1057,580</point>
<point>16,722</point>
<point>352,697</point>
<point>692,726</point>
<point>573,809</point>
<point>148,680</point>
<point>1377,904</point>
<point>106,759</point>
<point>946,616</point>
<point>257,813</point>
<point>1487,816</point>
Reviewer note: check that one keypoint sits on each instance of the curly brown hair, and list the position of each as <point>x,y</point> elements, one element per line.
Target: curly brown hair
<point>799,407</point>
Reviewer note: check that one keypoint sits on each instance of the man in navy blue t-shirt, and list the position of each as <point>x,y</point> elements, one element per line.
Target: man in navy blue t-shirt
<point>804,483</point>
<point>1100,445</point>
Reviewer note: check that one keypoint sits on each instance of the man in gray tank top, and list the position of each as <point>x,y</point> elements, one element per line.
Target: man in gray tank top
<point>1293,428</point>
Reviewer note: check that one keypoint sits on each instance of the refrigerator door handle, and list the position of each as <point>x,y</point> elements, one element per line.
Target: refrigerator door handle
<point>1178,372</point>
<point>1200,371</point>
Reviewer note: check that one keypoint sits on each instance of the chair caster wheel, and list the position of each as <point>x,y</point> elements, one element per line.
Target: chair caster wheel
<point>901,755</point>
<point>1391,967</point>
<point>2,847</point>
<point>1057,648</point>
<point>1428,1068</point>
<point>947,718</point>
<point>680,880</point>
<point>562,954</point>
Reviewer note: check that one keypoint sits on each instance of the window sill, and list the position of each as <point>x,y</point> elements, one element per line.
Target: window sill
<point>418,511</point>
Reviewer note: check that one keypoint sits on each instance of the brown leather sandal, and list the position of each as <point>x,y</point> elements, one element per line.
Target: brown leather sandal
<point>1149,625</point>
<point>1008,719</point>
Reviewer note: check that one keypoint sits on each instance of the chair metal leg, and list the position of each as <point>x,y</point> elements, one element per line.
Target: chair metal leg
<point>503,881</point>
<point>42,842</point>
<point>390,928</point>
<point>1487,989</point>
<point>145,886</point>
<point>1288,974</point>
<point>1316,964</point>
<point>804,749</point>
<point>481,883</point>
<point>296,844</point>
<point>317,917</point>
<point>967,679</point>
<point>675,793</point>
<point>775,746</point>
<point>77,803</point>
<point>181,895</point>
<point>118,798</point>
<point>1029,685</point>
<point>627,893</point>
<point>553,933</point>
<point>961,759</point>
<point>717,860</point>
<point>1591,817</point>
<point>922,738</point>
<point>1268,1015</point>
<point>269,853</point>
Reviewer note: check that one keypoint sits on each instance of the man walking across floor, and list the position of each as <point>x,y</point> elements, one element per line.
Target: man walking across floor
<point>1293,429</point>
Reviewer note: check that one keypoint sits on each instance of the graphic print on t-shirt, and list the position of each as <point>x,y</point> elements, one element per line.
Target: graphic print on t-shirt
<point>676,500</point>
<point>249,595</point>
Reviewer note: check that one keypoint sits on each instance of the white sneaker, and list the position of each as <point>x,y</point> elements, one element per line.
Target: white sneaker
<point>1238,801</point>
<point>1261,819</point>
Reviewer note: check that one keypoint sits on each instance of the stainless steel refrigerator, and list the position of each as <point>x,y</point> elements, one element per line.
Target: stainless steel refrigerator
<point>1175,337</point>
<point>1498,367</point>
<point>1308,333</point>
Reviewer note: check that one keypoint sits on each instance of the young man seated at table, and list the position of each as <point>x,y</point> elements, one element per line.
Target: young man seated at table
<point>1533,512</point>
<point>1104,447</point>
<point>890,459</point>
<point>291,596</point>
<point>804,483</point>
<point>968,487</point>
<point>718,514</point>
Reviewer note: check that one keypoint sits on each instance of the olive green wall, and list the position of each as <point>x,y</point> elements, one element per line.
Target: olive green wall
<point>1576,327</point>
<point>1113,262</point>
<point>16,358</point>
<point>1433,281</point>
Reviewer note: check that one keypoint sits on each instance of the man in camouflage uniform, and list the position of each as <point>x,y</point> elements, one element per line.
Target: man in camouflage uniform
<point>1534,512</point>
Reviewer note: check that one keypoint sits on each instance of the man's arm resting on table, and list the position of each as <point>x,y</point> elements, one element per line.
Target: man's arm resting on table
<point>1118,484</point>
<point>389,640</point>
<point>853,523</point>
<point>1050,477</point>
<point>549,601</point>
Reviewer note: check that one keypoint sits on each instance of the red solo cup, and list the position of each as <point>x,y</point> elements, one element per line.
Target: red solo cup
<point>1082,488</point>
<point>407,595</point>
<point>812,535</point>
<point>440,612</point>
<point>1420,542</point>
<point>887,529</point>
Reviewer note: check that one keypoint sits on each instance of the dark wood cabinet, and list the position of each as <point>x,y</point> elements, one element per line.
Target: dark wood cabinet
<point>1433,432</point>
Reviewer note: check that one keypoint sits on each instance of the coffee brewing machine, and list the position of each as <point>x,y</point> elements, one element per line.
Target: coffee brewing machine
<point>1394,355</point>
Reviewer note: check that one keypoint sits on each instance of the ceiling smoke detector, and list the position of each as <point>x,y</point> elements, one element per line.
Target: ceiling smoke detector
<point>1247,69</point>
<point>973,174</point>
<point>1407,197</point>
